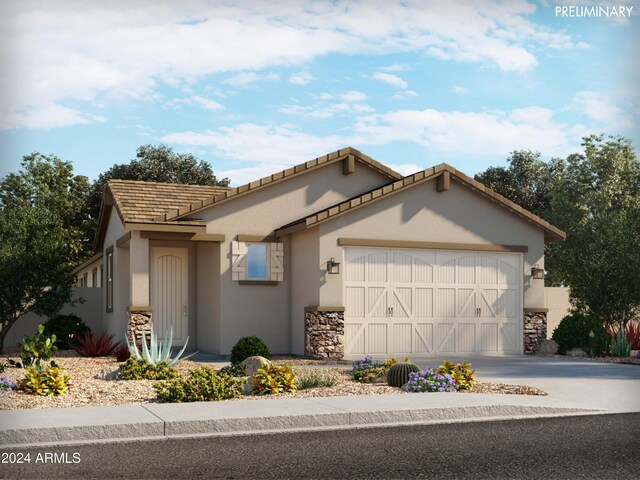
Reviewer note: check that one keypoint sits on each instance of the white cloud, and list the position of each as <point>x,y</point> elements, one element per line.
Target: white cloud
<point>54,52</point>
<point>405,94</point>
<point>601,109</point>
<point>459,90</point>
<point>47,117</point>
<point>391,79</point>
<point>396,67</point>
<point>348,103</point>
<point>301,78</point>
<point>202,102</point>
<point>353,96</point>
<point>246,78</point>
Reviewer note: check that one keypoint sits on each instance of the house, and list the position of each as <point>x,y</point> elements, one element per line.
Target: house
<point>337,257</point>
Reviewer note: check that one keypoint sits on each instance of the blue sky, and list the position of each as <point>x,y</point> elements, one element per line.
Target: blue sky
<point>254,87</point>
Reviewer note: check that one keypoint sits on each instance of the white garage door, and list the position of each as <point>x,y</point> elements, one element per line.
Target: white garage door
<point>422,303</point>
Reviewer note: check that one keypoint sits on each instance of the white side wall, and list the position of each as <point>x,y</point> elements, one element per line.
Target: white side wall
<point>116,322</point>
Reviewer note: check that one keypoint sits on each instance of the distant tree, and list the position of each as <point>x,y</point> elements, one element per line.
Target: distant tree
<point>45,181</point>
<point>155,163</point>
<point>525,181</point>
<point>36,262</point>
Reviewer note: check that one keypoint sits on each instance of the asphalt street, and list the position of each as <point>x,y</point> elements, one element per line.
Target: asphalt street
<point>596,446</point>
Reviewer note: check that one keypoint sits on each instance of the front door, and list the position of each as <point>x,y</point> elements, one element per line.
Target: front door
<point>169,292</point>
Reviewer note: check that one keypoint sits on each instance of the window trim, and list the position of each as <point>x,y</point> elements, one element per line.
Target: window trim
<point>109,279</point>
<point>94,278</point>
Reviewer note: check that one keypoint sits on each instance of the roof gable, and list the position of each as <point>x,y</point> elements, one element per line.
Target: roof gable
<point>551,233</point>
<point>348,154</point>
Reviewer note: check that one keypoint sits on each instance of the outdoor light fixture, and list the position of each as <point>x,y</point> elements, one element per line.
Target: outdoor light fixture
<point>333,267</point>
<point>537,272</point>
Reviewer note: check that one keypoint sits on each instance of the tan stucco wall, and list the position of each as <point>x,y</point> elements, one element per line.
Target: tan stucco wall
<point>306,271</point>
<point>208,297</point>
<point>116,322</point>
<point>558,305</point>
<point>422,214</point>
<point>260,310</point>
<point>88,270</point>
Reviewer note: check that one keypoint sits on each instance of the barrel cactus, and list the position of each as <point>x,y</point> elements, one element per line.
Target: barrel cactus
<point>398,373</point>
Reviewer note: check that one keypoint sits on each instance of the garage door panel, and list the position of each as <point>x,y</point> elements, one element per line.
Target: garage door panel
<point>377,267</point>
<point>446,339</point>
<point>488,340</point>
<point>466,337</point>
<point>377,338</point>
<point>355,336</point>
<point>430,302</point>
<point>423,338</point>
<point>401,336</point>
<point>354,301</point>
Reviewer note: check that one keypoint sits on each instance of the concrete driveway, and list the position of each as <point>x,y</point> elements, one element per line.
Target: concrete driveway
<point>588,383</point>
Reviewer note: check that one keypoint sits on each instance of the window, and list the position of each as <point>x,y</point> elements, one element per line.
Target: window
<point>257,261</point>
<point>110,279</point>
<point>85,279</point>
<point>101,279</point>
<point>81,282</point>
<point>94,277</point>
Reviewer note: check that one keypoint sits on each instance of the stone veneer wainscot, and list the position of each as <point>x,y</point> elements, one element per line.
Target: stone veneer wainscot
<point>535,331</point>
<point>324,332</point>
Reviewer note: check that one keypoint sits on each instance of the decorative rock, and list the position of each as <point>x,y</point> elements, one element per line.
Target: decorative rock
<point>548,347</point>
<point>535,331</point>
<point>253,364</point>
<point>576,352</point>
<point>324,334</point>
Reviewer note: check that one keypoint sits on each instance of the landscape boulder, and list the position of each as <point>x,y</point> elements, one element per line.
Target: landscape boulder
<point>548,347</point>
<point>253,364</point>
<point>576,352</point>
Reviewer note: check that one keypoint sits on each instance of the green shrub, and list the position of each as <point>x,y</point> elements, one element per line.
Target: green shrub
<point>48,382</point>
<point>203,385</point>
<point>249,347</point>
<point>142,370</point>
<point>460,372</point>
<point>274,379</point>
<point>234,370</point>
<point>398,374</point>
<point>620,345</point>
<point>67,329</point>
<point>578,330</point>
<point>37,348</point>
<point>315,379</point>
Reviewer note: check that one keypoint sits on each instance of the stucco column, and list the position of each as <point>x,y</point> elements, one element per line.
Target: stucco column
<point>139,269</point>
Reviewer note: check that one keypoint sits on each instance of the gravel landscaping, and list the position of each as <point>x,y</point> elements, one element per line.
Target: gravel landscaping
<point>89,388</point>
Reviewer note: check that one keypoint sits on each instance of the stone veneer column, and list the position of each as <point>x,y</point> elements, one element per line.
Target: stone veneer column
<point>535,330</point>
<point>139,319</point>
<point>324,332</point>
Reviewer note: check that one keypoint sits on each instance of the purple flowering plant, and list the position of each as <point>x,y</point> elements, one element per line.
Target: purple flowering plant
<point>6,384</point>
<point>430,380</point>
<point>368,370</point>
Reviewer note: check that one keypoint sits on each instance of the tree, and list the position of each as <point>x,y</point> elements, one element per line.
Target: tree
<point>48,182</point>
<point>596,201</point>
<point>36,264</point>
<point>155,163</point>
<point>525,182</point>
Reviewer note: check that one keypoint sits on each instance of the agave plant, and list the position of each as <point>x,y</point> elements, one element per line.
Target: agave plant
<point>157,352</point>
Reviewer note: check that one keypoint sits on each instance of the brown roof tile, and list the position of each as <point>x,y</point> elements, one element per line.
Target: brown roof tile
<point>138,201</point>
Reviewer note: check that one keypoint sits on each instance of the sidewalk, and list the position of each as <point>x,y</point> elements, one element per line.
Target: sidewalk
<point>86,424</point>
<point>575,387</point>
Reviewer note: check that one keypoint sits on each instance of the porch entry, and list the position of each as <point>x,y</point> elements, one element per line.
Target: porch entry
<point>169,292</point>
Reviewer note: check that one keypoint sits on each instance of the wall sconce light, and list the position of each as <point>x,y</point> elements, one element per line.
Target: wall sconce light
<point>333,267</point>
<point>537,272</point>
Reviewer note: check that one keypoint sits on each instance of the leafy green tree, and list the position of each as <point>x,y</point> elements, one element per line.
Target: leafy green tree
<point>525,181</point>
<point>155,163</point>
<point>595,198</point>
<point>36,264</point>
<point>48,182</point>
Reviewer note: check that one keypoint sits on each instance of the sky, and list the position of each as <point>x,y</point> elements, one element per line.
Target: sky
<point>253,87</point>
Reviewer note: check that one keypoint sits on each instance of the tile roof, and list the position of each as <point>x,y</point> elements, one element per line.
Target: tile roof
<point>551,233</point>
<point>142,202</point>
<point>278,177</point>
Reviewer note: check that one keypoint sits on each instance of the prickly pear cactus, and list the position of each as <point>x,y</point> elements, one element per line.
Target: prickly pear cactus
<point>398,373</point>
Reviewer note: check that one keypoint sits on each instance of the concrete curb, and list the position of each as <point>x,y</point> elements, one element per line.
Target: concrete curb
<point>157,421</point>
